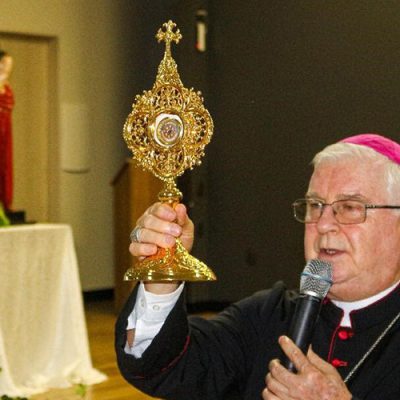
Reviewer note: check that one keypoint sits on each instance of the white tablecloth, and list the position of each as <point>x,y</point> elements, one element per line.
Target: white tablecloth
<point>43,336</point>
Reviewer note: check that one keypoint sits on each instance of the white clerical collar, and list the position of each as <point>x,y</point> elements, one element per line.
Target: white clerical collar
<point>349,306</point>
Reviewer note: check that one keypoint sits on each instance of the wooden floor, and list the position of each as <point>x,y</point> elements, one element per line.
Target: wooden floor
<point>100,322</point>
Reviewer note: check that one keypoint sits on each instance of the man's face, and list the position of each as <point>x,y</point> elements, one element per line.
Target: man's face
<point>365,257</point>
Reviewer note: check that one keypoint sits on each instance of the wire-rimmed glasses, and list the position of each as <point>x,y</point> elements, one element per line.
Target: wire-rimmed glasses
<point>348,211</point>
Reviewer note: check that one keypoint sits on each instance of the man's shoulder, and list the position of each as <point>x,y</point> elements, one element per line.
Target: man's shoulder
<point>277,300</point>
<point>271,297</point>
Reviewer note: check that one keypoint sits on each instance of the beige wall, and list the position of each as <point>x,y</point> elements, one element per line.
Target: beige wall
<point>94,43</point>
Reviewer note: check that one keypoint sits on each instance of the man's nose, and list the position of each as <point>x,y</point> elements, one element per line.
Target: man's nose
<point>327,221</point>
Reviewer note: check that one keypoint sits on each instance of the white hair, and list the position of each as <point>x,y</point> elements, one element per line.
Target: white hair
<point>345,151</point>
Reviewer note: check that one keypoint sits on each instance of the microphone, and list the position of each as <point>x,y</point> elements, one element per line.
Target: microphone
<point>315,281</point>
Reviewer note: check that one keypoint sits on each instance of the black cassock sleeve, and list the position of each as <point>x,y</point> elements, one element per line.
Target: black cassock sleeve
<point>194,358</point>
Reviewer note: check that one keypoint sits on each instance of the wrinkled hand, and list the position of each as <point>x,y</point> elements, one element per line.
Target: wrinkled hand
<point>160,226</point>
<point>315,380</point>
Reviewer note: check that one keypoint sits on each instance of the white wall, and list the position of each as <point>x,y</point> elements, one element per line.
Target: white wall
<point>95,44</point>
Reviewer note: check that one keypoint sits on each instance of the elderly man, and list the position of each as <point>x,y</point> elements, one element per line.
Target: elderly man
<point>351,213</point>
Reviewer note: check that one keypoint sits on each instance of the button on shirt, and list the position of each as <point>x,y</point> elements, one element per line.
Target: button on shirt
<point>148,316</point>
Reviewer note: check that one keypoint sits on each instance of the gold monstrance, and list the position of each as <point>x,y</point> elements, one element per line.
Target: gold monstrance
<point>167,131</point>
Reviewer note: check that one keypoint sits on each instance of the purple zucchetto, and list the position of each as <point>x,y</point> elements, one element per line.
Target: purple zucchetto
<point>387,147</point>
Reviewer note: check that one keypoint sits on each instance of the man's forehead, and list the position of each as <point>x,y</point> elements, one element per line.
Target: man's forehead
<point>354,166</point>
<point>347,179</point>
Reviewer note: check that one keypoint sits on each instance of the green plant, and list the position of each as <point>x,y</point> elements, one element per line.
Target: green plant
<point>81,390</point>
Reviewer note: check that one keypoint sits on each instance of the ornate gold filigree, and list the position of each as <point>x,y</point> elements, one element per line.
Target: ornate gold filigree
<point>167,131</point>
<point>175,108</point>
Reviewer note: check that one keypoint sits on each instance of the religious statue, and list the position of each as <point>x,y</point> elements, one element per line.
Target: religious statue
<point>6,106</point>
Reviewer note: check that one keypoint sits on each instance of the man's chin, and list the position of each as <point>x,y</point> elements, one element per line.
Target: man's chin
<point>338,291</point>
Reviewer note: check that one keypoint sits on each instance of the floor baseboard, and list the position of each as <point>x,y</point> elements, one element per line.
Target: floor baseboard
<point>98,295</point>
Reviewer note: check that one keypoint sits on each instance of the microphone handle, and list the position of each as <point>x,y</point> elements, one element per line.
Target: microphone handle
<point>302,325</point>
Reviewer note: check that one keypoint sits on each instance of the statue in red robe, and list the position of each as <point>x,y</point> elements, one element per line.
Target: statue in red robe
<point>6,106</point>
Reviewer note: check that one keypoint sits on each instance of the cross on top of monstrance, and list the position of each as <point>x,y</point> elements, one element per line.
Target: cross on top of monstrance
<point>168,35</point>
<point>167,131</point>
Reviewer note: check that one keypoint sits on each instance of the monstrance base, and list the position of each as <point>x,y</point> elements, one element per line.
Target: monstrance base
<point>173,264</point>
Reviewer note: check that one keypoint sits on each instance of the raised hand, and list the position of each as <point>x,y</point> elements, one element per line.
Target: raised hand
<point>315,378</point>
<point>159,226</point>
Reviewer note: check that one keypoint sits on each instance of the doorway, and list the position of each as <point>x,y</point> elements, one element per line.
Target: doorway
<point>34,119</point>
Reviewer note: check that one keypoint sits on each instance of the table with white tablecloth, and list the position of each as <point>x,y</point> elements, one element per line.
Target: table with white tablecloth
<point>43,335</point>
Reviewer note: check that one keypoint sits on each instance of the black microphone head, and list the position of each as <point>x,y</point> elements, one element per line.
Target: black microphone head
<point>316,278</point>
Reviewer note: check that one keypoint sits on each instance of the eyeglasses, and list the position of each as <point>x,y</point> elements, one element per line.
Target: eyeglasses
<point>309,211</point>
